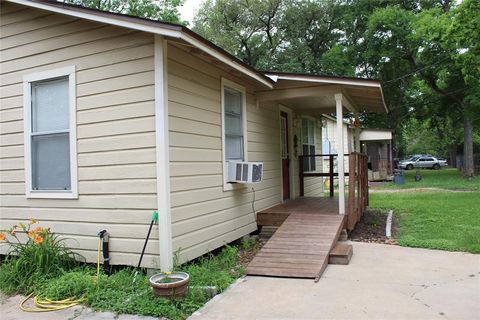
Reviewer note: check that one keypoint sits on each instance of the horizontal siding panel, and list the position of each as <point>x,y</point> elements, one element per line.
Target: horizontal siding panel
<point>11,139</point>
<point>86,201</point>
<point>212,231</point>
<point>114,70</point>
<point>179,169</point>
<point>128,171</point>
<point>187,112</point>
<point>11,114</point>
<point>11,127</point>
<point>122,39</point>
<point>117,157</point>
<point>131,186</point>
<point>187,98</point>
<point>119,112</point>
<point>83,32</point>
<point>127,141</point>
<point>122,97</point>
<point>12,175</point>
<point>194,155</point>
<point>76,214</point>
<point>193,126</point>
<point>116,127</point>
<point>12,188</point>
<point>193,75</point>
<point>40,29</point>
<point>12,164</point>
<point>186,140</point>
<point>201,248</point>
<point>195,182</point>
<point>11,152</point>
<point>195,88</point>
<point>115,84</point>
<point>95,60</point>
<point>22,15</point>
<point>10,103</point>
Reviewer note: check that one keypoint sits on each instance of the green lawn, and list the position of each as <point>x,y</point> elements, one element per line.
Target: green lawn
<point>439,220</point>
<point>444,178</point>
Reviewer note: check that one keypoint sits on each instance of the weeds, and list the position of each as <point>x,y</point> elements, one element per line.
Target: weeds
<point>115,293</point>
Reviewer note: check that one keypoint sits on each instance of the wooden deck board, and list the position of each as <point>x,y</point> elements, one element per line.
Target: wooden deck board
<point>300,247</point>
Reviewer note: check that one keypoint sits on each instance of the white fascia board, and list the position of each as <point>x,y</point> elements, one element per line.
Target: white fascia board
<point>329,81</point>
<point>101,19</point>
<point>151,29</point>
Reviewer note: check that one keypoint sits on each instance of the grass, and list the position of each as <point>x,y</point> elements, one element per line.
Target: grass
<point>115,293</point>
<point>440,220</point>
<point>444,179</point>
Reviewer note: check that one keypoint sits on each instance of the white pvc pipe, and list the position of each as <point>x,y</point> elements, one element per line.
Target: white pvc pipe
<point>388,227</point>
<point>340,151</point>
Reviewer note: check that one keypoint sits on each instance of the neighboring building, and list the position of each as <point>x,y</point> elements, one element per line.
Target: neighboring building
<point>106,118</point>
<point>377,144</point>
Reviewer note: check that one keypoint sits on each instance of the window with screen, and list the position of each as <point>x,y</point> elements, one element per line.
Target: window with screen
<point>308,144</point>
<point>234,129</point>
<point>49,137</point>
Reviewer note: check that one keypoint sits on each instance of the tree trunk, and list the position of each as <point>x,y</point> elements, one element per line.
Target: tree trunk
<point>468,169</point>
<point>452,151</point>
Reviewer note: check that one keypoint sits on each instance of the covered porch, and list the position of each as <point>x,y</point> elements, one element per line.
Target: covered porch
<point>312,215</point>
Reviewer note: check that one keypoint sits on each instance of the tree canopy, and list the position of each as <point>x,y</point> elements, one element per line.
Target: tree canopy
<point>425,51</point>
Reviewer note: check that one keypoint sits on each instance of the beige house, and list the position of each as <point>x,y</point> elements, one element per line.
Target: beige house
<point>105,118</point>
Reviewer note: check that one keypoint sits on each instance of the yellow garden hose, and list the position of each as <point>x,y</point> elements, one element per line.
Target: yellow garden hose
<point>45,305</point>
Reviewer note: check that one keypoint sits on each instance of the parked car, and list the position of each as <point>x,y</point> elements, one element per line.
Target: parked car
<point>422,162</point>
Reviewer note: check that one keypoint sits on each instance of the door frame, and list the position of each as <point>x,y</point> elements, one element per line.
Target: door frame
<point>289,112</point>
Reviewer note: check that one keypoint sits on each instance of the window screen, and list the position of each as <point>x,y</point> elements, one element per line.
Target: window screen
<point>308,144</point>
<point>233,105</point>
<point>50,136</point>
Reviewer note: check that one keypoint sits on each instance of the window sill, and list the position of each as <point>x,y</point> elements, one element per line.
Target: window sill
<point>52,195</point>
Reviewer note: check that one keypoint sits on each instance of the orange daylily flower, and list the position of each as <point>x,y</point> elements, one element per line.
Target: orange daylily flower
<point>2,237</point>
<point>33,221</point>
<point>31,234</point>
<point>38,229</point>
<point>38,240</point>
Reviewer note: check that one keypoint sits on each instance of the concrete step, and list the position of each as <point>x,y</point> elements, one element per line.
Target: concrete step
<point>341,254</point>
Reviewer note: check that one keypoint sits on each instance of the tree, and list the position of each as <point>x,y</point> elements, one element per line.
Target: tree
<point>162,10</point>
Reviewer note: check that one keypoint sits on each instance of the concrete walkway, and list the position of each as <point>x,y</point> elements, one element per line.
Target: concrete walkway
<point>381,282</point>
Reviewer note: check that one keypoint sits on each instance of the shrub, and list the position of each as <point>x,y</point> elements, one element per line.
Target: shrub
<point>40,255</point>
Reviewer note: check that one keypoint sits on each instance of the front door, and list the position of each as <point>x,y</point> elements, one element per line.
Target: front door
<point>285,155</point>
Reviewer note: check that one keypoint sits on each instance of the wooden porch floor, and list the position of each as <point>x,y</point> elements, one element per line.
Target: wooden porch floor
<point>300,248</point>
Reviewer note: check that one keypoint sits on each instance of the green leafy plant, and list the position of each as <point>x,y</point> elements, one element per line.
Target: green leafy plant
<point>35,253</point>
<point>248,244</point>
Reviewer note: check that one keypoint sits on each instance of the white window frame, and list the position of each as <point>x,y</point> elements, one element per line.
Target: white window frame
<point>227,83</point>
<point>27,103</point>
<point>309,119</point>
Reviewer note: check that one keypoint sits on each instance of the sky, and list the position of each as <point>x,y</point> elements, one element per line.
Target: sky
<point>187,11</point>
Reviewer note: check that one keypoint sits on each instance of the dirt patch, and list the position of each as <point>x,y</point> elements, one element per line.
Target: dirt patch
<point>371,228</point>
<point>245,256</point>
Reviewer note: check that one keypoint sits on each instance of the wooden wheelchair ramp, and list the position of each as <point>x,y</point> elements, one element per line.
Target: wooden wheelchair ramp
<point>299,248</point>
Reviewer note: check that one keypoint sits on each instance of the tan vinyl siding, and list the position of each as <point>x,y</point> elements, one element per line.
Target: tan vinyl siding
<point>204,216</point>
<point>115,129</point>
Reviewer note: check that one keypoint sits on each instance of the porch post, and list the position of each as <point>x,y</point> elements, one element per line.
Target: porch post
<point>340,150</point>
<point>356,133</point>
<point>162,155</point>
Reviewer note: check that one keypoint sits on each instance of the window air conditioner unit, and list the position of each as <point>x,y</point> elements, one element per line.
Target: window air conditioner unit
<point>245,172</point>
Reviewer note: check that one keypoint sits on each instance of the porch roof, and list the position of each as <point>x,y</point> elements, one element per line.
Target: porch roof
<point>312,94</point>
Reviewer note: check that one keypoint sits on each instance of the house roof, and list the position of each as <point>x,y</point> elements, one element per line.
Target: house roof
<point>151,26</point>
<point>364,92</point>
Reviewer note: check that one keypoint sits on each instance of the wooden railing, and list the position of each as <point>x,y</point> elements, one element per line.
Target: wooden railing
<point>357,184</point>
<point>357,188</point>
